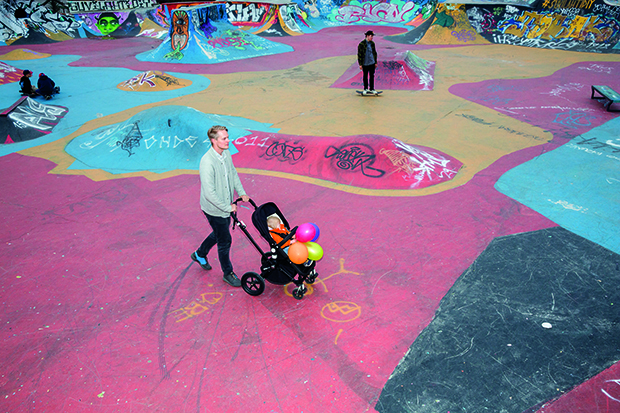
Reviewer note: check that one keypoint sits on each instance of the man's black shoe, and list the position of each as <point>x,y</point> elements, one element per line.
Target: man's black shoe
<point>204,266</point>
<point>232,279</point>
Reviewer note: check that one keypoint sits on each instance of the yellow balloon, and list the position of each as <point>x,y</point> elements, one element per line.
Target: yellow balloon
<point>315,252</point>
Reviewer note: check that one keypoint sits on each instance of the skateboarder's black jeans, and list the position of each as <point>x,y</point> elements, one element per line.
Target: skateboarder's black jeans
<point>220,236</point>
<point>369,71</point>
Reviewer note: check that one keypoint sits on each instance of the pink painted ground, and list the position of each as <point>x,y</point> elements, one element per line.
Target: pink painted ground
<point>560,103</point>
<point>599,394</point>
<point>102,308</point>
<point>389,75</point>
<point>364,161</point>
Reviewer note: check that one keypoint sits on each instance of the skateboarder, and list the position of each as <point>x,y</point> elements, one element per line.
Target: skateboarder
<point>367,60</point>
<point>47,87</point>
<point>26,85</point>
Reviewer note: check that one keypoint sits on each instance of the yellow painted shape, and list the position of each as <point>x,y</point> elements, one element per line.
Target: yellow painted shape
<point>341,311</point>
<point>153,81</point>
<point>299,101</point>
<point>437,34</point>
<point>150,28</point>
<point>23,54</point>
<point>59,37</point>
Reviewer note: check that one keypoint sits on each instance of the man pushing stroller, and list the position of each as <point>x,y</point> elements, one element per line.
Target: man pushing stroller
<point>218,182</point>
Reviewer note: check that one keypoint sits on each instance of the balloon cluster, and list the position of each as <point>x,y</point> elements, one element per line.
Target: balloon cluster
<point>305,248</point>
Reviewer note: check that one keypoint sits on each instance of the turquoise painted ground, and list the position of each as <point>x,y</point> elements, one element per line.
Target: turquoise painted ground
<point>158,139</point>
<point>577,185</point>
<point>80,87</point>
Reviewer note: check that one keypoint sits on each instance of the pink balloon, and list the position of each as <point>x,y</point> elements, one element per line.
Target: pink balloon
<point>305,232</point>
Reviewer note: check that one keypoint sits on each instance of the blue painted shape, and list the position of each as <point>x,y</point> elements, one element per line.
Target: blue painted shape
<point>227,43</point>
<point>88,92</point>
<point>577,185</point>
<point>158,139</point>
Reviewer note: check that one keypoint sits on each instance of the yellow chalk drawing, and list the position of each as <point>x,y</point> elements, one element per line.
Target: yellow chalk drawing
<point>197,307</point>
<point>341,311</point>
<point>319,280</point>
<point>337,335</point>
<point>293,286</point>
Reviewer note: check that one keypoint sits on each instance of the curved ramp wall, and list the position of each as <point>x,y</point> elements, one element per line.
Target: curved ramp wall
<point>577,25</point>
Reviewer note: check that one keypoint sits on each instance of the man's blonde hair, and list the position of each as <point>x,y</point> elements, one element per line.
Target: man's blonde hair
<point>212,133</point>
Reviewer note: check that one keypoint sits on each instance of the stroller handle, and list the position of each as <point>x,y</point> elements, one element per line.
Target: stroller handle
<point>250,201</point>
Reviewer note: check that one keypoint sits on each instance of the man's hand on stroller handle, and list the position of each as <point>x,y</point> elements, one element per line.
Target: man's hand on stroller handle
<point>244,198</point>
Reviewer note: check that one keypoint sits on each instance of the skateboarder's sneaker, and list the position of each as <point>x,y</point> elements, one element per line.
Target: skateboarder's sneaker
<point>374,92</point>
<point>365,92</point>
<point>201,261</point>
<point>47,97</point>
<point>232,279</point>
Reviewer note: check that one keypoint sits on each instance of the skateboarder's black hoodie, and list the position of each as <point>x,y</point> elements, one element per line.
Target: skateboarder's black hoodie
<point>46,85</point>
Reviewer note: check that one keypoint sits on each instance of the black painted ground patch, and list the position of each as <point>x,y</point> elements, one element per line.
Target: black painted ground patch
<point>535,315</point>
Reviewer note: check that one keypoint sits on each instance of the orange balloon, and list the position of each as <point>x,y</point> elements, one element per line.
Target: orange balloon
<point>298,253</point>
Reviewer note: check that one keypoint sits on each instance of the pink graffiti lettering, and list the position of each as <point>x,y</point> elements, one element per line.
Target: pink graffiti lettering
<point>222,42</point>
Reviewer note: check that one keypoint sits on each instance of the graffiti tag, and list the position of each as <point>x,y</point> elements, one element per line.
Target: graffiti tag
<point>382,12</point>
<point>36,115</point>
<point>284,151</point>
<point>355,155</point>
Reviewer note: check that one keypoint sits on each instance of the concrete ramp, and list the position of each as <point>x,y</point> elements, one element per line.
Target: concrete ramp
<point>9,74</point>
<point>213,42</point>
<point>410,73</point>
<point>153,81</point>
<point>23,54</point>
<point>28,119</point>
<point>451,26</point>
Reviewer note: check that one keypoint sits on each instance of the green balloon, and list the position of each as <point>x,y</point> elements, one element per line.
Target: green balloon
<point>315,252</point>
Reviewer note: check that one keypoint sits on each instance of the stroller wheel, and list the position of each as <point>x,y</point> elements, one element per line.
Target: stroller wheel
<point>252,283</point>
<point>312,277</point>
<point>299,292</point>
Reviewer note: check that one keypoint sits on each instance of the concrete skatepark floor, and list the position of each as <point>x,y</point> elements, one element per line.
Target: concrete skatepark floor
<point>104,311</point>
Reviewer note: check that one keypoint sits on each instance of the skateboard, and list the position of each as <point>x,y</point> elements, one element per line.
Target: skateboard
<point>361,93</point>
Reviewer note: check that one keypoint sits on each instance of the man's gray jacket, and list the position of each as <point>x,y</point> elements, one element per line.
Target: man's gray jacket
<point>218,181</point>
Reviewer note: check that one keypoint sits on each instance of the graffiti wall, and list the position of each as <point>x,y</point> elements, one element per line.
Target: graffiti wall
<point>28,22</point>
<point>578,25</point>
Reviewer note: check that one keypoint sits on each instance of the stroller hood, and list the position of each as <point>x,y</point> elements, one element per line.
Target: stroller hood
<point>259,219</point>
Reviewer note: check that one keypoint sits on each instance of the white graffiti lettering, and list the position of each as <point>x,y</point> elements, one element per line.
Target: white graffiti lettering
<point>421,164</point>
<point>609,395</point>
<point>572,207</point>
<point>245,12</point>
<point>382,12</point>
<point>36,115</point>
<point>560,44</point>
<point>97,6</point>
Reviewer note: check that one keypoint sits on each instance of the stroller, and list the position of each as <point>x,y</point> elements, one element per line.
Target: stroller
<point>276,267</point>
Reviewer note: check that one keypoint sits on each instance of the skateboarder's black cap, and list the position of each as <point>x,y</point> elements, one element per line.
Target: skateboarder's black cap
<point>369,33</point>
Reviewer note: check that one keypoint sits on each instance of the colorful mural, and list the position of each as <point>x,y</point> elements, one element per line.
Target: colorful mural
<point>584,25</point>
<point>579,28</point>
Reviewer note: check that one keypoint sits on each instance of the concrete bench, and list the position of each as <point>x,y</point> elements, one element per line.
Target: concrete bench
<point>607,95</point>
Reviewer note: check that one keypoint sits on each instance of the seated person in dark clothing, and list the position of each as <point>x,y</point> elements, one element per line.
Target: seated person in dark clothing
<point>47,87</point>
<point>25,85</point>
